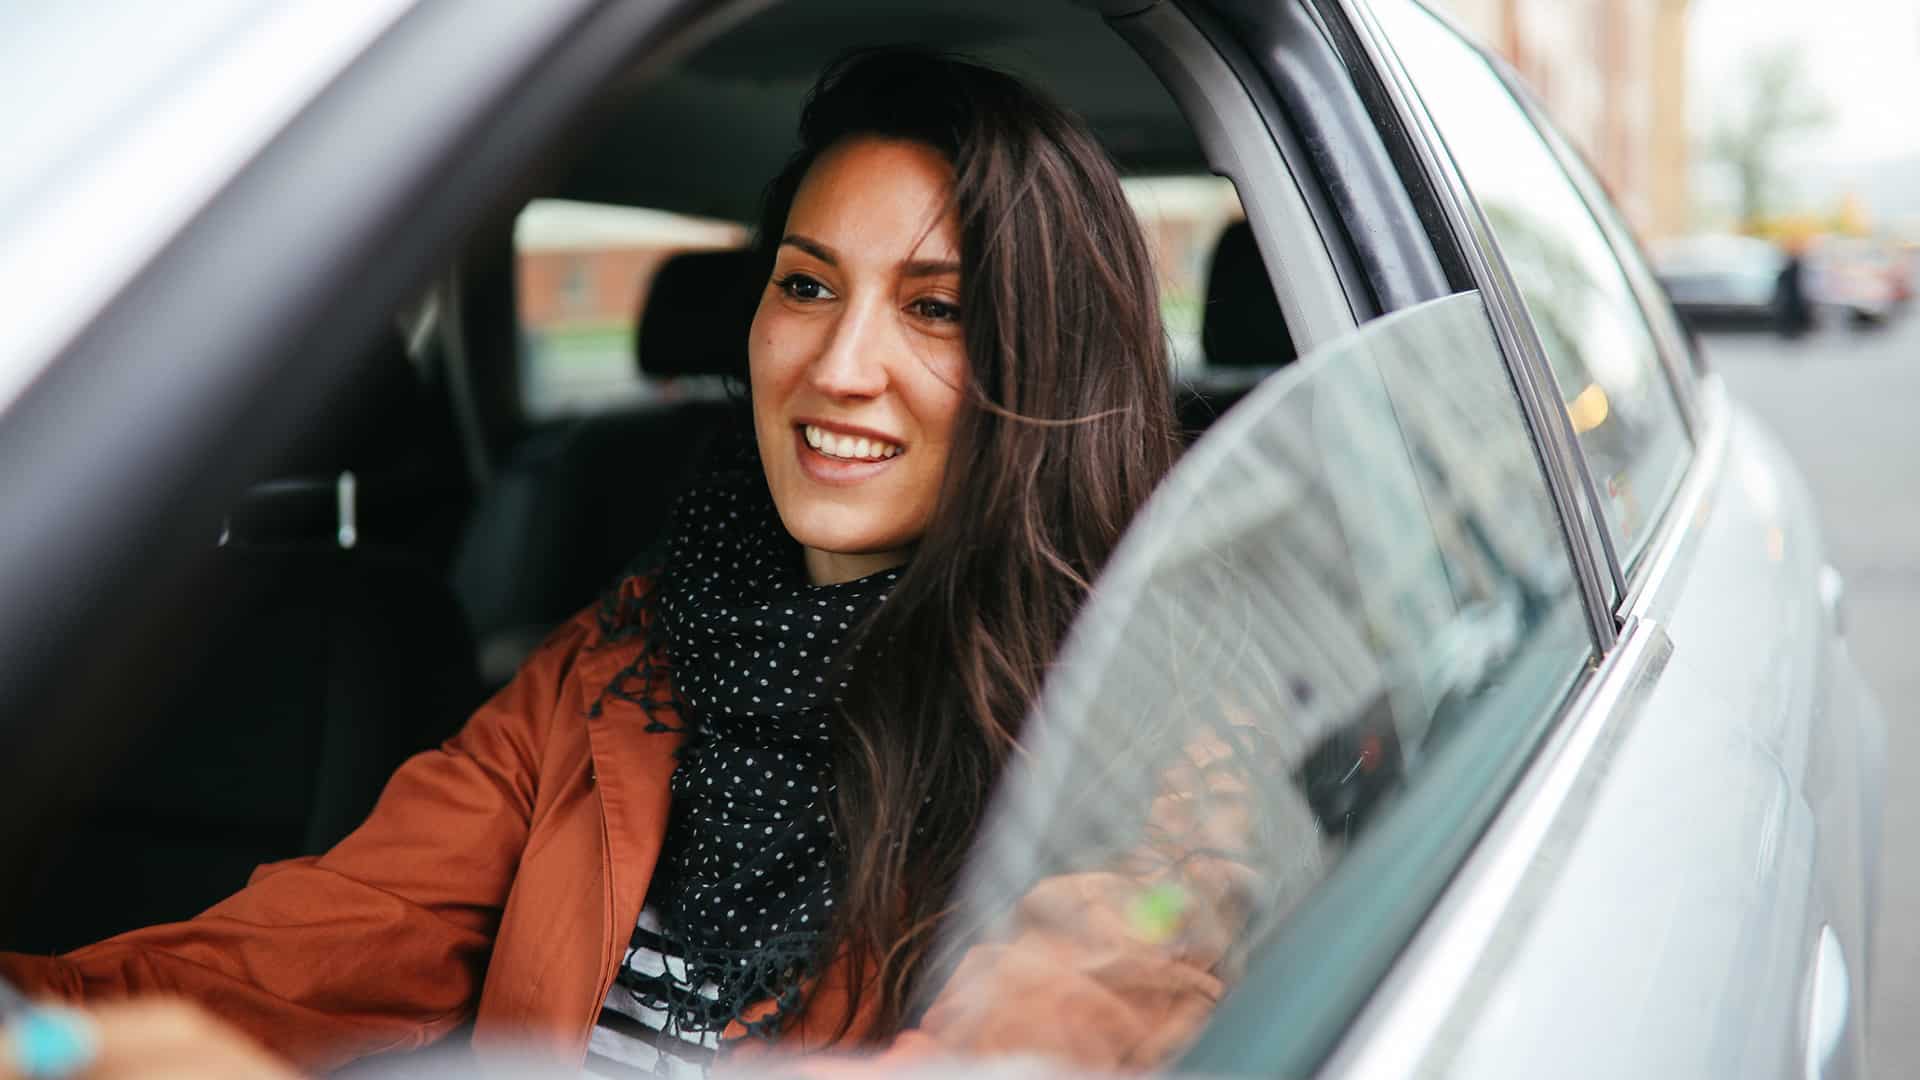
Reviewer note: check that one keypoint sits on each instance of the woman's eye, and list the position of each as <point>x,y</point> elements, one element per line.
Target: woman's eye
<point>937,310</point>
<point>802,287</point>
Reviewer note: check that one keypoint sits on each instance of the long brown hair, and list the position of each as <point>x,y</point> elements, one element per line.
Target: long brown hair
<point>1068,428</point>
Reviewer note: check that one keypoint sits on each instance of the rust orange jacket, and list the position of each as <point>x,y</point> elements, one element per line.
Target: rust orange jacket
<point>498,880</point>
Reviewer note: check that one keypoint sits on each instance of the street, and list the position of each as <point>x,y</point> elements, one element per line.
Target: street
<point>1843,402</point>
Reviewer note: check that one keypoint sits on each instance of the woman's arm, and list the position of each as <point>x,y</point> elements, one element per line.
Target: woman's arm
<point>380,943</point>
<point>1118,968</point>
<point>1078,980</point>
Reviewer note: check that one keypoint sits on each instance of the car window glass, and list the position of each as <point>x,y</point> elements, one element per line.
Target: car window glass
<point>1356,572</point>
<point>583,271</point>
<point>1634,260</point>
<point>1184,218</point>
<point>1596,337</point>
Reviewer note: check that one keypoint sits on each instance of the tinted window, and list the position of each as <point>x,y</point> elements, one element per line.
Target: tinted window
<point>1354,579</point>
<point>1184,218</point>
<point>1596,337</point>
<point>582,271</point>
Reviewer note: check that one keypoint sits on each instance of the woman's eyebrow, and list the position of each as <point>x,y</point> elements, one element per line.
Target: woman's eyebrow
<point>910,268</point>
<point>929,267</point>
<point>812,247</point>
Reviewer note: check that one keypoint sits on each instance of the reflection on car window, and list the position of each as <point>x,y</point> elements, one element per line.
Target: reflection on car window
<point>1596,336</point>
<point>1356,569</point>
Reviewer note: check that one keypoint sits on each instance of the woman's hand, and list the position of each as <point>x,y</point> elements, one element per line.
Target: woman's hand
<point>146,1037</point>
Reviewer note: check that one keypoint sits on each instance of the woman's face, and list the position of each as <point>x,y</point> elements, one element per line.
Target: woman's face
<point>857,359</point>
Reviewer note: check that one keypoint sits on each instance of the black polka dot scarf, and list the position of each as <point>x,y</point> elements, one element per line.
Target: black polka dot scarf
<point>744,888</point>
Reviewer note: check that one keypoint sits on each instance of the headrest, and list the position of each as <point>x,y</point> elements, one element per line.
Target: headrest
<point>1242,325</point>
<point>695,317</point>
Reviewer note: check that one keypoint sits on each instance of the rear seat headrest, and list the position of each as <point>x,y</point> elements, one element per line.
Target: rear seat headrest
<point>695,317</point>
<point>1242,325</point>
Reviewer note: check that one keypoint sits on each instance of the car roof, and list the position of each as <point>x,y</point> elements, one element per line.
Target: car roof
<point>731,107</point>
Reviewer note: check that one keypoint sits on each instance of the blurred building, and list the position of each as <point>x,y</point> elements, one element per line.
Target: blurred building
<point>1613,75</point>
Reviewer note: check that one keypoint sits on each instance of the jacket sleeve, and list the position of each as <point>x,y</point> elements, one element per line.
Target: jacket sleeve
<point>1075,982</point>
<point>380,943</point>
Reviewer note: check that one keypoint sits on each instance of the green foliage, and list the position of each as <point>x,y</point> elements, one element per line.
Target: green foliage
<point>1750,139</point>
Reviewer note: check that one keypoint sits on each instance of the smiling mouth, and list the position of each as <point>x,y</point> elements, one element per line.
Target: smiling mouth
<point>848,447</point>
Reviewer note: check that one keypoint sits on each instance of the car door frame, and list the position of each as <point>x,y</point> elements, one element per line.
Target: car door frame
<point>266,285</point>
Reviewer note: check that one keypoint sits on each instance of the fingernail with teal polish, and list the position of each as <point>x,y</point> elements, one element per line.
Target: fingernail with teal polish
<point>52,1043</point>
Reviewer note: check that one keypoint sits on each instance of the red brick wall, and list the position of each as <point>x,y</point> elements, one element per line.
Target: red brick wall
<point>585,287</point>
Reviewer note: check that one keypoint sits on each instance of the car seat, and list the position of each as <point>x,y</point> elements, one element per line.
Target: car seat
<point>1242,332</point>
<point>329,652</point>
<point>576,503</point>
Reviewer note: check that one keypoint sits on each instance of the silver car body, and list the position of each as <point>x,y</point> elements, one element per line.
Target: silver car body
<point>1682,886</point>
<point>1681,881</point>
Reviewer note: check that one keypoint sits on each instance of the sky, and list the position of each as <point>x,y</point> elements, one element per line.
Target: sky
<point>1863,56</point>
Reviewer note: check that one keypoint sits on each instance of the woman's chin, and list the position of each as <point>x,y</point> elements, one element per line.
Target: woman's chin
<point>834,557</point>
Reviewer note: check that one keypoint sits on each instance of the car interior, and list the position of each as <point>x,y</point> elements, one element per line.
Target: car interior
<point>395,566</point>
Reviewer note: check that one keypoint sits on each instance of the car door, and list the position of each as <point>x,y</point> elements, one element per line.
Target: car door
<point>1686,890</point>
<point>1316,666</point>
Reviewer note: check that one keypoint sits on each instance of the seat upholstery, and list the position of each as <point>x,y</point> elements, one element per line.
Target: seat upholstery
<point>576,502</point>
<point>315,671</point>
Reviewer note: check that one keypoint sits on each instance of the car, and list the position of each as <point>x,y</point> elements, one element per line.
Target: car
<point>353,346</point>
<point>1719,280</point>
<point>1866,279</point>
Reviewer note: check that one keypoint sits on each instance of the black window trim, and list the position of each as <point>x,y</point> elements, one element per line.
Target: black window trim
<point>1226,114</point>
<point>1702,423</point>
<point>1322,114</point>
<point>1596,565</point>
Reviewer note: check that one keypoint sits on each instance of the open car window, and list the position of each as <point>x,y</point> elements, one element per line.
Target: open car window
<point>1316,660</point>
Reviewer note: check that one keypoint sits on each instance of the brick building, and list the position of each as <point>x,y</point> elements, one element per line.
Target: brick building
<point>1613,75</point>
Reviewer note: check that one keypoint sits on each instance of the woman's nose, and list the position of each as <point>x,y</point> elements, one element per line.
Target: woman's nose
<point>853,363</point>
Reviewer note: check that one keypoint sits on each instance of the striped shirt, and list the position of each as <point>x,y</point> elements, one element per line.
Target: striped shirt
<point>632,1039</point>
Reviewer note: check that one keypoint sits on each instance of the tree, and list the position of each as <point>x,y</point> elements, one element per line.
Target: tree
<point>1777,106</point>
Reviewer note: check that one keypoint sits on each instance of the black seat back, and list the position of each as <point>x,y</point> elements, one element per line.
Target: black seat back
<point>315,669</point>
<point>1242,332</point>
<point>576,502</point>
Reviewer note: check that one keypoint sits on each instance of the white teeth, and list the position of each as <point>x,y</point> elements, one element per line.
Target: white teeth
<point>849,446</point>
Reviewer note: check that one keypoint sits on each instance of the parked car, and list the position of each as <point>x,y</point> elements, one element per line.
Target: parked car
<point>1866,279</point>
<point>1508,633</point>
<point>1719,280</point>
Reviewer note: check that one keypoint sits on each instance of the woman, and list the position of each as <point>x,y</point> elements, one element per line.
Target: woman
<point>733,800</point>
